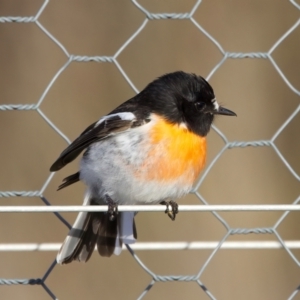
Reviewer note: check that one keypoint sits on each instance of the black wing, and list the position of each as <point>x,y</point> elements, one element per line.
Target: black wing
<point>109,126</point>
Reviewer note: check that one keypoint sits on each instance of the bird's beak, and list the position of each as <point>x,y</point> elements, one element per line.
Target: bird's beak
<point>224,111</point>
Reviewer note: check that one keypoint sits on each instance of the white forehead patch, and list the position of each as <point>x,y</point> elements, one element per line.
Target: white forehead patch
<point>215,103</point>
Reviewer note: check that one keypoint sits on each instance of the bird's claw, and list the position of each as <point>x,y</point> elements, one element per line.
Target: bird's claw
<point>112,208</point>
<point>173,212</point>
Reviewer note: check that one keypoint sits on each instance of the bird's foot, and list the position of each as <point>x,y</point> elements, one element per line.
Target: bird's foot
<point>112,208</point>
<point>174,211</point>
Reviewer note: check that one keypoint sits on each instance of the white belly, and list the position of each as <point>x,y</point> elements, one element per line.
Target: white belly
<point>113,166</point>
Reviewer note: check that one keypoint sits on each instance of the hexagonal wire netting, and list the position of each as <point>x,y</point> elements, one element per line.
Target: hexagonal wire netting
<point>227,145</point>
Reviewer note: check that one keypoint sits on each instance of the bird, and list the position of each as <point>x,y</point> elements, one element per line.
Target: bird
<point>149,150</point>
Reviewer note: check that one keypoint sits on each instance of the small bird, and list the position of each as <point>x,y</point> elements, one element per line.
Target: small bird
<point>149,150</point>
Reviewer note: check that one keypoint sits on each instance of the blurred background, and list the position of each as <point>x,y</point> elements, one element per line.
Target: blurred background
<point>84,92</point>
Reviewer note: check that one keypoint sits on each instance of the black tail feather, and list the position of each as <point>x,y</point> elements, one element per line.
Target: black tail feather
<point>91,229</point>
<point>134,230</point>
<point>80,234</point>
<point>69,180</point>
<point>89,238</point>
<point>107,235</point>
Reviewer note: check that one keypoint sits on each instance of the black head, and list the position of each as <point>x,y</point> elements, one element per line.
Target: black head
<point>184,98</point>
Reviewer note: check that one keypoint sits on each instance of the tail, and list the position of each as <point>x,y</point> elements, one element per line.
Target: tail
<point>95,228</point>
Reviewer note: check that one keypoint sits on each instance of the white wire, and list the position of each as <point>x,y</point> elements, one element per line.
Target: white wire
<point>152,208</point>
<point>164,246</point>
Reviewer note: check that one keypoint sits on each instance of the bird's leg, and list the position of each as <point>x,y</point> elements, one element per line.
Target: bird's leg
<point>112,208</point>
<point>171,213</point>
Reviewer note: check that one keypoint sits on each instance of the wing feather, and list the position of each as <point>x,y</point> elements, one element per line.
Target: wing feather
<point>69,180</point>
<point>104,128</point>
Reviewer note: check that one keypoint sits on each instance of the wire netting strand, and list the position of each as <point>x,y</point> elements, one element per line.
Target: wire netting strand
<point>14,281</point>
<point>8,194</point>
<point>204,288</point>
<point>70,58</point>
<point>294,293</point>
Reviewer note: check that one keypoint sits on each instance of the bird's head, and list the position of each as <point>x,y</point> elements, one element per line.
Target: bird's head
<point>184,99</point>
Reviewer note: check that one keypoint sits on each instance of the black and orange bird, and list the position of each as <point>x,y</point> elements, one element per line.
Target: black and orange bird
<point>149,150</point>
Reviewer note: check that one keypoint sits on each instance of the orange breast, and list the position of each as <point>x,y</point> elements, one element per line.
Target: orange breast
<point>176,153</point>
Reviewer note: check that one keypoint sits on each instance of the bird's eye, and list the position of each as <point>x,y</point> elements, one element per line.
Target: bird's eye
<point>200,106</point>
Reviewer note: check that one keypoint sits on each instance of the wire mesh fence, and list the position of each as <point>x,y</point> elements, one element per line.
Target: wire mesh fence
<point>205,206</point>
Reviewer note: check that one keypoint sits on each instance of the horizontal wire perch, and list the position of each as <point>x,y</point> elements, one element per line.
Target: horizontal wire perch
<point>152,208</point>
<point>144,246</point>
